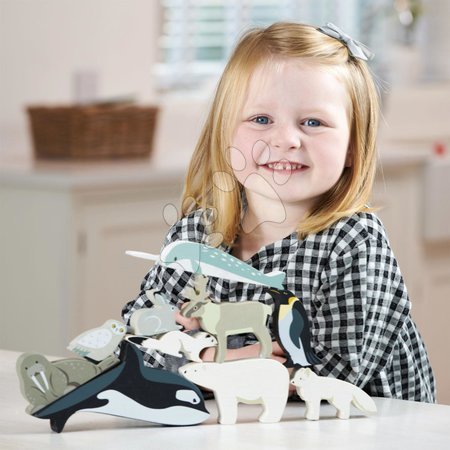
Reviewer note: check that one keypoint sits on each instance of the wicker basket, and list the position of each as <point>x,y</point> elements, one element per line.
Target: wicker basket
<point>88,132</point>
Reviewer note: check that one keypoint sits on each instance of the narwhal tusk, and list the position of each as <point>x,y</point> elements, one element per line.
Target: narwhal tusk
<point>36,382</point>
<point>44,377</point>
<point>142,255</point>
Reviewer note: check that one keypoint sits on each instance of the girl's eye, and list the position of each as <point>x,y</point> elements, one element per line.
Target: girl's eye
<point>312,123</point>
<point>262,120</point>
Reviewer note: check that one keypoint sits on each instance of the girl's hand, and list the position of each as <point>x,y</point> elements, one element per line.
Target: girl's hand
<point>249,351</point>
<point>207,355</point>
<point>280,356</point>
<point>187,323</point>
<point>277,350</point>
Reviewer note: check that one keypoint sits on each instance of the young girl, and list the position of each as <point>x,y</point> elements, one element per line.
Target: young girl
<point>280,178</point>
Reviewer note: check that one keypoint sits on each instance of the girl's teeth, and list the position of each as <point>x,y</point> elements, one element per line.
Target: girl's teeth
<point>284,166</point>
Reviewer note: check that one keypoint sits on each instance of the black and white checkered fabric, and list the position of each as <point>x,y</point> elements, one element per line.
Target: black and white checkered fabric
<point>351,287</point>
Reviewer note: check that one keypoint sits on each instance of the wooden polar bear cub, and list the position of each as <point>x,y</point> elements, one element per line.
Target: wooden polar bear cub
<point>313,388</point>
<point>252,381</point>
<point>177,343</point>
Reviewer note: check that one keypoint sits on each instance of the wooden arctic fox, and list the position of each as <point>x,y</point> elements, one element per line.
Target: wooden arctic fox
<point>313,388</point>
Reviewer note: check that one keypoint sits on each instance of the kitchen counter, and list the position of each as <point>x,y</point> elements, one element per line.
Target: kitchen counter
<point>162,169</point>
<point>398,424</point>
<point>80,175</point>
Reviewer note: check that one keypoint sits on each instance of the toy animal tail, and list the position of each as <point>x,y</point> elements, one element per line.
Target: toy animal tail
<point>363,401</point>
<point>311,357</point>
<point>57,423</point>
<point>310,360</point>
<point>276,279</point>
<point>135,339</point>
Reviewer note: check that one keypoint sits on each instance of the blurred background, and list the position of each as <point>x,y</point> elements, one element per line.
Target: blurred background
<point>118,91</point>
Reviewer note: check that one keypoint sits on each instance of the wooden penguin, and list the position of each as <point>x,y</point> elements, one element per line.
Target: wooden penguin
<point>291,326</point>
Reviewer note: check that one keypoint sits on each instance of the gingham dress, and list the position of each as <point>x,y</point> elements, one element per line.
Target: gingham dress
<point>351,287</point>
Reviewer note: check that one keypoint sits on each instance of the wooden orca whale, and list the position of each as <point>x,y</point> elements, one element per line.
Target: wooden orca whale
<point>131,390</point>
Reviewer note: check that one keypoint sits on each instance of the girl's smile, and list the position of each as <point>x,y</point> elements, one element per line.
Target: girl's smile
<point>285,167</point>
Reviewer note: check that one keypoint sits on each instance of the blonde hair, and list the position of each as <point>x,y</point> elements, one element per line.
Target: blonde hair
<point>210,182</point>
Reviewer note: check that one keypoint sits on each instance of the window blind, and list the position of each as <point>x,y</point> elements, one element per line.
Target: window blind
<point>197,36</point>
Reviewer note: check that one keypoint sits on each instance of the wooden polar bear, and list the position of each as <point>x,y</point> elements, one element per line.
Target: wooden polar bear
<point>313,388</point>
<point>252,381</point>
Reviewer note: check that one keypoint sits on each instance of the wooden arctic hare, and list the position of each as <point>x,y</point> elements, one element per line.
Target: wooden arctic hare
<point>224,319</point>
<point>313,388</point>
<point>158,319</point>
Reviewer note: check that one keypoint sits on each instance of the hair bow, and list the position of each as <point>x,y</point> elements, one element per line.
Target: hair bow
<point>355,48</point>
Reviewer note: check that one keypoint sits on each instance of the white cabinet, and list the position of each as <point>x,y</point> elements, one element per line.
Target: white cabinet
<point>397,195</point>
<point>399,191</point>
<point>433,312</point>
<point>63,237</point>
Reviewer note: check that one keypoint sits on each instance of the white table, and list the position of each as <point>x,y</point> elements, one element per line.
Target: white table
<point>398,425</point>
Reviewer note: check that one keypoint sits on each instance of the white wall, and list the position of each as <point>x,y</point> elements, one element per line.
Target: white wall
<point>43,42</point>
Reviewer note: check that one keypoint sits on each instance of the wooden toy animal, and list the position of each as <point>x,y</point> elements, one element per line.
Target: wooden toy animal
<point>178,343</point>
<point>203,259</point>
<point>99,343</point>
<point>292,329</point>
<point>224,319</point>
<point>252,381</point>
<point>42,381</point>
<point>313,388</point>
<point>131,390</point>
<point>158,319</point>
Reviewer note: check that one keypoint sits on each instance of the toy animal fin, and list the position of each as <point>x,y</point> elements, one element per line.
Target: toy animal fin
<point>58,421</point>
<point>277,277</point>
<point>296,328</point>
